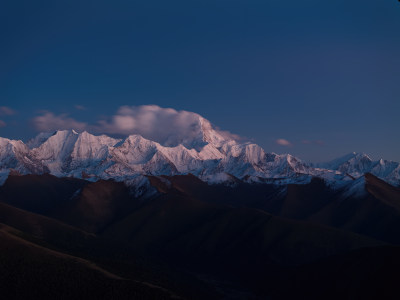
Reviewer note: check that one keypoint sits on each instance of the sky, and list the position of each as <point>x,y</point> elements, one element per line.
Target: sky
<point>317,79</point>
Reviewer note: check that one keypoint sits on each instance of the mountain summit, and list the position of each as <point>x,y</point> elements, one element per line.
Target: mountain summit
<point>202,150</point>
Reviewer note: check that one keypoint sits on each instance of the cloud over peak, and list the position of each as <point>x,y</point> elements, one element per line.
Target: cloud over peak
<point>164,125</point>
<point>167,126</point>
<point>50,122</point>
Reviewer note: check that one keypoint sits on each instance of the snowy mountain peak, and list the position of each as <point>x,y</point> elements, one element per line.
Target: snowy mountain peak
<point>39,139</point>
<point>210,135</point>
<point>205,152</point>
<point>357,164</point>
<point>336,163</point>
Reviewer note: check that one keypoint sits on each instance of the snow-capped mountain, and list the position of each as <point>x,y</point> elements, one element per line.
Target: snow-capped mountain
<point>66,152</point>
<point>16,155</point>
<point>357,164</point>
<point>207,154</point>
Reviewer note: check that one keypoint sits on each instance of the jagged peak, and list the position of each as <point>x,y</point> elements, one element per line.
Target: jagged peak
<point>14,143</point>
<point>337,162</point>
<point>101,138</point>
<point>64,131</point>
<point>360,155</point>
<point>213,136</point>
<point>63,152</point>
<point>135,139</point>
<point>4,140</point>
<point>39,139</point>
<point>62,134</point>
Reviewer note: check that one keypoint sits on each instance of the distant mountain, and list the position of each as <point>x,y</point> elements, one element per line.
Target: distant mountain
<point>208,154</point>
<point>357,164</point>
<point>83,155</point>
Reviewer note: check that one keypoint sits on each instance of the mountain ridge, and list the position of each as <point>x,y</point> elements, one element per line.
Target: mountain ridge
<point>208,155</point>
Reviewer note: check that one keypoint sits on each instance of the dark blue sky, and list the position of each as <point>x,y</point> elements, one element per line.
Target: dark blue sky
<point>324,75</point>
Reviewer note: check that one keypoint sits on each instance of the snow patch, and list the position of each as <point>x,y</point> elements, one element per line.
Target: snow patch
<point>221,178</point>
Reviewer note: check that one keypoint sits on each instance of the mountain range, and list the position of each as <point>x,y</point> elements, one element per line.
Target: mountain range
<point>208,155</point>
<point>203,216</point>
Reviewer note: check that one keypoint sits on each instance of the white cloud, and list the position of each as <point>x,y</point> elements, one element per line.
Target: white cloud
<point>6,111</point>
<point>2,124</point>
<point>283,142</point>
<point>166,126</point>
<point>49,122</point>
<point>230,136</point>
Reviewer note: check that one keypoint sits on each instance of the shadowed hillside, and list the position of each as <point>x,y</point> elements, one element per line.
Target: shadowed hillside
<point>97,205</point>
<point>195,240</point>
<point>374,213</point>
<point>238,245</point>
<point>30,271</point>
<point>39,193</point>
<point>368,273</point>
